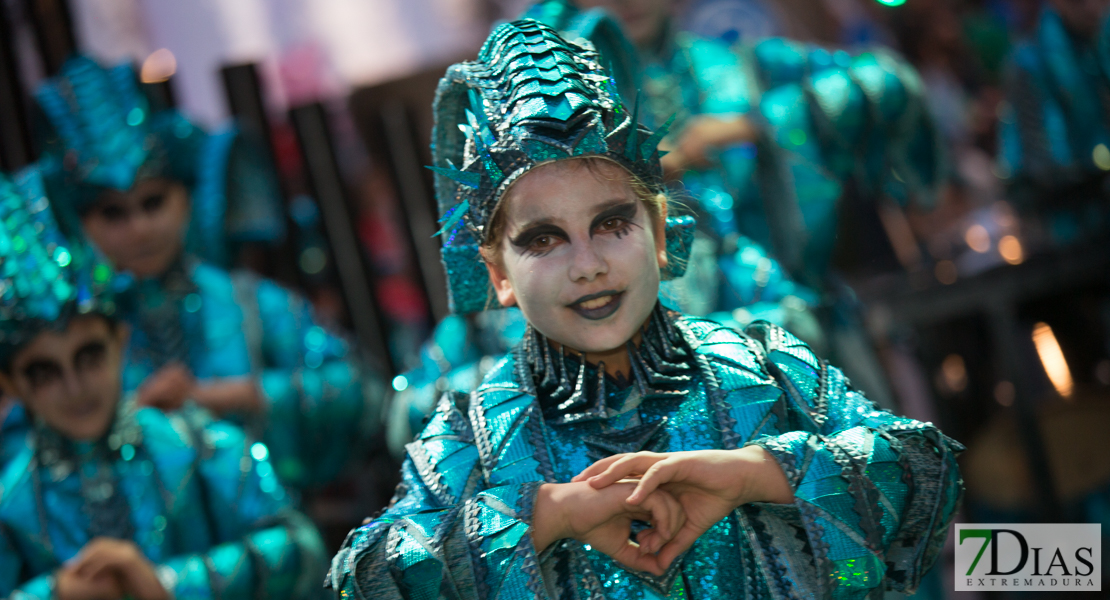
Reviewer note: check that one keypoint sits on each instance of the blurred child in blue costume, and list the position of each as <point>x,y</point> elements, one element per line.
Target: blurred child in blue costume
<point>104,499</point>
<point>1055,126</point>
<point>762,473</point>
<point>236,344</point>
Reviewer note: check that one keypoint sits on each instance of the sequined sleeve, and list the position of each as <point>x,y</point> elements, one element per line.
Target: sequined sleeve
<point>322,403</point>
<point>268,550</point>
<point>446,533</point>
<point>11,566</point>
<point>875,493</point>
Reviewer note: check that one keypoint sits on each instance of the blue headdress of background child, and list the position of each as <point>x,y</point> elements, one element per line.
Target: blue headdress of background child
<point>45,280</point>
<point>105,135</point>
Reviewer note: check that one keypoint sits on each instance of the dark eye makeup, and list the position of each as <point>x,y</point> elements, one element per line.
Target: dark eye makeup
<point>532,238</point>
<point>616,219</point>
<point>154,202</point>
<point>113,212</point>
<point>90,355</point>
<point>41,373</point>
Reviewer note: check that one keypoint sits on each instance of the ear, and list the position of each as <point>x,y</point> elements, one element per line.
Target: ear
<point>499,279</point>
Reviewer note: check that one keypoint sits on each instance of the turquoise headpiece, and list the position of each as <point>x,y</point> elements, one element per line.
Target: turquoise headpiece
<point>44,279</point>
<point>105,136</point>
<point>530,98</point>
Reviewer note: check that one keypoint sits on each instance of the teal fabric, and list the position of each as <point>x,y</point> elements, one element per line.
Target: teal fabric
<point>322,403</point>
<point>202,502</point>
<point>874,493</point>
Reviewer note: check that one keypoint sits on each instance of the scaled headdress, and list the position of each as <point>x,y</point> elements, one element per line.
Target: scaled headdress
<point>106,136</point>
<point>530,98</point>
<point>45,280</point>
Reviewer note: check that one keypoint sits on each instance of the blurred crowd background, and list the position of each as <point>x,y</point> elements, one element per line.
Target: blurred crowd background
<point>989,311</point>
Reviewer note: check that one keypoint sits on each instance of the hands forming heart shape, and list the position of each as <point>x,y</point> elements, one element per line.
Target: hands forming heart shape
<point>681,494</point>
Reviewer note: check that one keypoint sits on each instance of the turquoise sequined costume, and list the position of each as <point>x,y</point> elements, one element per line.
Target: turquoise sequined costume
<point>321,402</point>
<point>874,492</point>
<point>199,500</point>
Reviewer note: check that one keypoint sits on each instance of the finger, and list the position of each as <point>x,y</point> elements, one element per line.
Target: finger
<point>631,557</point>
<point>679,544</point>
<point>94,557</point>
<point>631,464</point>
<point>148,396</point>
<point>661,515</point>
<point>93,566</point>
<point>597,468</point>
<point>673,515</point>
<point>656,475</point>
<point>650,541</point>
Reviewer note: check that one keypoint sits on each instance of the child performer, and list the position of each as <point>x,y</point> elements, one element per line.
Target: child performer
<point>238,345</point>
<point>106,500</point>
<point>763,474</point>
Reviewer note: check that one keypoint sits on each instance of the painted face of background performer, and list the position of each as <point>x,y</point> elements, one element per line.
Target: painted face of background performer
<point>141,230</point>
<point>580,254</point>
<point>71,379</point>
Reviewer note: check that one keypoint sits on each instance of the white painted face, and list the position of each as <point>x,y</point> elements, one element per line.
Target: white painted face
<point>580,254</point>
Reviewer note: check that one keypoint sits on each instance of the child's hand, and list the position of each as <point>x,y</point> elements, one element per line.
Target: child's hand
<point>709,484</point>
<point>68,585</point>
<point>602,518</point>
<point>123,561</point>
<point>702,138</point>
<point>232,395</point>
<point>167,388</point>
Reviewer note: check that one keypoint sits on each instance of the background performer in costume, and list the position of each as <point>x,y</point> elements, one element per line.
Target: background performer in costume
<point>105,500</point>
<point>234,343</point>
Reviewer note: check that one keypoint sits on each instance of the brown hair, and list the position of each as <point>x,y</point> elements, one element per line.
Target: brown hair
<point>655,202</point>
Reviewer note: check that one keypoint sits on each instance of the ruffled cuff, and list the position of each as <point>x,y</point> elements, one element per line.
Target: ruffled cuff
<point>875,504</point>
<point>481,548</point>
